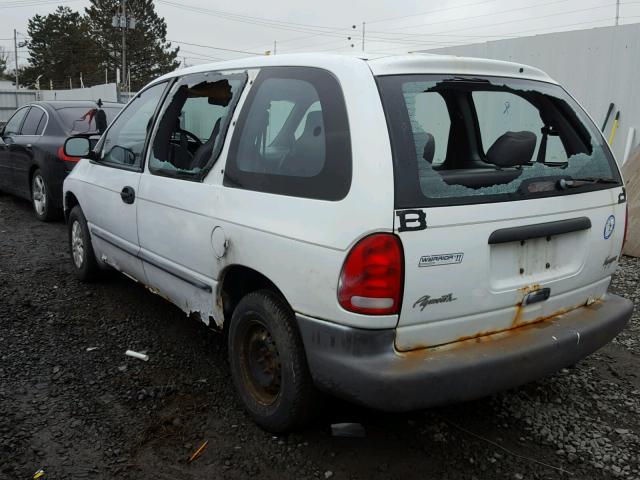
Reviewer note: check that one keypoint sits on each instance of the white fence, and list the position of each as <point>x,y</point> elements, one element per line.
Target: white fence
<point>12,99</point>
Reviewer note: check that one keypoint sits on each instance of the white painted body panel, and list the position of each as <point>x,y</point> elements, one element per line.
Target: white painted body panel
<point>487,287</point>
<point>98,188</point>
<point>300,244</point>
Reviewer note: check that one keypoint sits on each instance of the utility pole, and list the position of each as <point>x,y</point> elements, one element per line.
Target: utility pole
<point>617,12</point>
<point>274,46</point>
<point>124,41</point>
<point>15,52</point>
<point>363,24</point>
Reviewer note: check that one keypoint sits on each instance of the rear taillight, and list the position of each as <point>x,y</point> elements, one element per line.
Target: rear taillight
<point>371,277</point>
<point>65,157</point>
<point>626,225</point>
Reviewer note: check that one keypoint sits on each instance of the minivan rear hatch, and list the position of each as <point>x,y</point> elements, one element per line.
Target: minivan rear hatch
<point>509,204</point>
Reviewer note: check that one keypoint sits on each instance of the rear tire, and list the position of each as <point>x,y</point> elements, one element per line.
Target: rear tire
<point>83,258</point>
<point>269,365</point>
<point>41,198</point>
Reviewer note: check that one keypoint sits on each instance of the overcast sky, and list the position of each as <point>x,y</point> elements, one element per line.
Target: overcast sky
<point>391,27</point>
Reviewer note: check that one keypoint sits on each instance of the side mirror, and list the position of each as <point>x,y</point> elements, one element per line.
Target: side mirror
<point>77,147</point>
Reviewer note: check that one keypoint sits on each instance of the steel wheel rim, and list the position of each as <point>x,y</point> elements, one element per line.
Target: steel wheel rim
<point>77,244</point>
<point>260,363</point>
<point>39,195</point>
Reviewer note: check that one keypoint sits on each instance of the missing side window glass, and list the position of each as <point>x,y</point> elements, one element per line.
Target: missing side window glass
<point>463,140</point>
<point>193,124</point>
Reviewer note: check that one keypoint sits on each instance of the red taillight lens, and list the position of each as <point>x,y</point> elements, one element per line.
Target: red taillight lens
<point>65,157</point>
<point>371,277</point>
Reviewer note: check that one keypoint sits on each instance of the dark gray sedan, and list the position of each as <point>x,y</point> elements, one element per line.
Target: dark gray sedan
<point>32,161</point>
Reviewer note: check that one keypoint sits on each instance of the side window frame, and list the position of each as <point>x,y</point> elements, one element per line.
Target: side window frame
<point>143,155</point>
<point>224,126</point>
<point>45,116</point>
<point>19,132</point>
<point>334,180</point>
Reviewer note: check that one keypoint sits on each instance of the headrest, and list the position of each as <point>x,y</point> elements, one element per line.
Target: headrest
<point>313,125</point>
<point>429,148</point>
<point>512,149</point>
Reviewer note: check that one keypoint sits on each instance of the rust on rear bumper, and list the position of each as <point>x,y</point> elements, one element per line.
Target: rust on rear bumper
<point>363,366</point>
<point>517,326</point>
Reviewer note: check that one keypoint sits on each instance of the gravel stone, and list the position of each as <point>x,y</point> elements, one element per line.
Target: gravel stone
<point>78,414</point>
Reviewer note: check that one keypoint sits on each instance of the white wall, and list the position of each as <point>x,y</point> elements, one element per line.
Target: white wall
<point>107,92</point>
<point>597,66</point>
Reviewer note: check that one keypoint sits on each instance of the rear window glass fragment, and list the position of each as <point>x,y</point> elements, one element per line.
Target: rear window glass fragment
<point>471,140</point>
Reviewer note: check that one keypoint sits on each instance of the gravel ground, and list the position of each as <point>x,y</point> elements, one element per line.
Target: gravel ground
<point>98,414</point>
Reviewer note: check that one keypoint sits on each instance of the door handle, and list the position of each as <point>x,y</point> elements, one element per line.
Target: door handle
<point>539,295</point>
<point>128,195</point>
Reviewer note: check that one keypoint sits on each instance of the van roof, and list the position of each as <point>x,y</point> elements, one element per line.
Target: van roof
<point>411,63</point>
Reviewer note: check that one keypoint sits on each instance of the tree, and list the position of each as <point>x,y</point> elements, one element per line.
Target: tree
<point>4,60</point>
<point>149,54</point>
<point>60,47</point>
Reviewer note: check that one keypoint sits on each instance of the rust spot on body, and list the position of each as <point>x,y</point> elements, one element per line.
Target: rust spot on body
<point>529,288</point>
<point>516,328</point>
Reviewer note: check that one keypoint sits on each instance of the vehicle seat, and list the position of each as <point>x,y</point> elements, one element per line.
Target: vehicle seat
<point>429,148</point>
<point>512,149</point>
<point>204,151</point>
<point>307,156</point>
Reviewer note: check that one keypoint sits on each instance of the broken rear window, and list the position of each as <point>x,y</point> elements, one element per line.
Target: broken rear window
<point>460,140</point>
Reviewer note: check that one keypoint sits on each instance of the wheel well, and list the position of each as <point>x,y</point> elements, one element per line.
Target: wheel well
<point>70,201</point>
<point>32,170</point>
<point>238,281</point>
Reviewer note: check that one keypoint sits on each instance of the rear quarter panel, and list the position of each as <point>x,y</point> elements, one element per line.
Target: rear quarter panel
<point>300,244</point>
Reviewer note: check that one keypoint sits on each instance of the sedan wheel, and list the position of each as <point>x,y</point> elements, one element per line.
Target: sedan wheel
<point>77,244</point>
<point>39,195</point>
<point>43,205</point>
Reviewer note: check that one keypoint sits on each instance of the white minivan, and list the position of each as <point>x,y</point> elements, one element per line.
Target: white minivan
<point>401,232</point>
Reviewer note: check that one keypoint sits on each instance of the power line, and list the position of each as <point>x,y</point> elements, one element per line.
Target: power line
<point>33,3</point>
<point>214,48</point>
<point>537,30</point>
<point>542,31</point>
<point>303,28</point>
<point>430,12</point>
<point>490,14</point>
<point>251,19</point>
<point>407,41</point>
<point>382,36</point>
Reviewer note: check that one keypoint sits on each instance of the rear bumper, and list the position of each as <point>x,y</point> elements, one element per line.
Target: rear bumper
<point>363,366</point>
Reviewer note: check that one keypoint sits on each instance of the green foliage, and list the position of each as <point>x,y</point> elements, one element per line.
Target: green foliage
<point>65,43</point>
<point>4,59</point>
<point>60,47</point>
<point>148,52</point>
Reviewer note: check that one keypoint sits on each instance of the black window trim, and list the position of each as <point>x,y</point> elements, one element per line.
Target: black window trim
<point>33,105</point>
<point>224,128</point>
<point>139,169</point>
<point>319,187</point>
<point>27,107</point>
